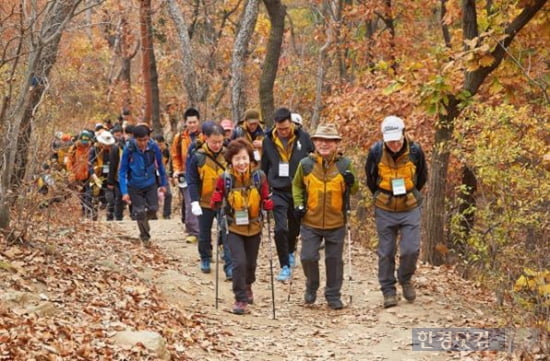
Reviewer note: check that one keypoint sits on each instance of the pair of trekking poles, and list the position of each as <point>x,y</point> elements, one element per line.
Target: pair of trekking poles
<point>270,262</point>
<point>350,278</point>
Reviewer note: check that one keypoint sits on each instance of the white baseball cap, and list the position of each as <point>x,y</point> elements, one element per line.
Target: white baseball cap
<point>296,118</point>
<point>392,128</point>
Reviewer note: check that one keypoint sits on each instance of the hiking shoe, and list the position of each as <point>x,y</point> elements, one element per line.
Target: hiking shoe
<point>191,239</point>
<point>249,294</point>
<point>291,260</point>
<point>408,291</point>
<point>310,297</point>
<point>229,274</point>
<point>390,301</point>
<point>239,308</point>
<point>284,274</point>
<point>205,265</point>
<point>336,304</point>
<point>146,243</point>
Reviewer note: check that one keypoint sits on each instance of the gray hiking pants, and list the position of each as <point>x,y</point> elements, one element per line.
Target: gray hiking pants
<point>388,225</point>
<point>145,204</point>
<point>334,265</point>
<point>191,221</point>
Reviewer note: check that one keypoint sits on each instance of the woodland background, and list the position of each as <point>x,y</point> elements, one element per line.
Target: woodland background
<point>470,78</point>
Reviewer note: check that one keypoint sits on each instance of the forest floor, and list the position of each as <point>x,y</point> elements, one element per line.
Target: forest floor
<point>67,298</point>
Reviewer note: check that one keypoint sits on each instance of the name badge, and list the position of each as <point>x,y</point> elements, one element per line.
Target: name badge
<point>241,217</point>
<point>105,168</point>
<point>398,186</point>
<point>284,170</point>
<point>257,157</point>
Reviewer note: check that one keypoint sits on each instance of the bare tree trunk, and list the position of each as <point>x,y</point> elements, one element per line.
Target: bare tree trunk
<point>152,113</point>
<point>277,13</point>
<point>189,76</point>
<point>15,141</point>
<point>435,205</point>
<point>240,54</point>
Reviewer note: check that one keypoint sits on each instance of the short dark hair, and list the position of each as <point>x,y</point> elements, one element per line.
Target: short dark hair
<point>235,146</point>
<point>281,115</point>
<point>211,128</point>
<point>141,131</point>
<point>159,138</point>
<point>191,112</point>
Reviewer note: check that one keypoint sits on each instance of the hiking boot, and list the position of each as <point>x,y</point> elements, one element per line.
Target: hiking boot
<point>146,243</point>
<point>335,304</point>
<point>408,291</point>
<point>205,265</point>
<point>390,301</point>
<point>310,297</point>
<point>291,260</point>
<point>284,274</point>
<point>229,274</point>
<point>249,294</point>
<point>239,308</point>
<point>191,239</point>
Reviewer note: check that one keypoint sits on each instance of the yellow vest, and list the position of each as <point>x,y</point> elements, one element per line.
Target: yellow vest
<point>325,188</point>
<point>209,171</point>
<point>243,195</point>
<point>401,168</point>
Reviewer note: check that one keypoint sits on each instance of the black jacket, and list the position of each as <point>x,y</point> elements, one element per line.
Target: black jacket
<point>271,159</point>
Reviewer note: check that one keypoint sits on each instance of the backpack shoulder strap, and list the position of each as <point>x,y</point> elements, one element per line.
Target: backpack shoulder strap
<point>257,179</point>
<point>227,182</point>
<point>343,164</point>
<point>377,149</point>
<point>307,165</point>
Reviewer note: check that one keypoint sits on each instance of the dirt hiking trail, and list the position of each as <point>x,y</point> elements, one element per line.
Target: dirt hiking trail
<point>363,330</point>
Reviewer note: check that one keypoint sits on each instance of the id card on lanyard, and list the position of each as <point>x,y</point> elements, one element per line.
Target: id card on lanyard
<point>241,217</point>
<point>284,170</point>
<point>398,186</point>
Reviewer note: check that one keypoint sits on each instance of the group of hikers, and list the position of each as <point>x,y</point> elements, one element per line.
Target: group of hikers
<point>239,175</point>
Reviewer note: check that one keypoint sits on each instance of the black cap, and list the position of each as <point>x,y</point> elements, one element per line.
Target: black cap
<point>281,115</point>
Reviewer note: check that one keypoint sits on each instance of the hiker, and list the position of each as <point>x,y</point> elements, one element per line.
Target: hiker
<point>321,189</point>
<point>79,171</point>
<point>251,130</point>
<point>142,176</point>
<point>297,119</point>
<point>122,135</point>
<point>396,172</point>
<point>167,161</point>
<point>205,164</point>
<point>244,191</point>
<point>179,152</point>
<point>283,148</point>
<point>99,169</point>
<point>227,126</point>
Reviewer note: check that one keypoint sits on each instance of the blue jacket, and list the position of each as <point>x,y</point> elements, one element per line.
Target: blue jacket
<point>140,169</point>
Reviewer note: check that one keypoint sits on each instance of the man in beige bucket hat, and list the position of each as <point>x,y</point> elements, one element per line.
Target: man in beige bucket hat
<point>320,189</point>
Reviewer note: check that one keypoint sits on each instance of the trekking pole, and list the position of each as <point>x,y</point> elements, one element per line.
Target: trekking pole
<point>348,226</point>
<point>217,258</point>
<point>271,264</point>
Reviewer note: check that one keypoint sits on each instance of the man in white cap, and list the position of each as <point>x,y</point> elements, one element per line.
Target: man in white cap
<point>99,169</point>
<point>396,172</point>
<point>321,188</point>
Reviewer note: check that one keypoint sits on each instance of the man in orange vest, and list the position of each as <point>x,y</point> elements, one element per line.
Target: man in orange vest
<point>396,172</point>
<point>178,151</point>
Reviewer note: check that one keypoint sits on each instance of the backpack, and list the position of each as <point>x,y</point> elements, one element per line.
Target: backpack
<point>342,164</point>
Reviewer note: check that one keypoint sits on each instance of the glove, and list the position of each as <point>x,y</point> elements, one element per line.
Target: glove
<point>267,205</point>
<point>349,178</point>
<point>216,199</point>
<point>300,211</point>
<point>196,209</point>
